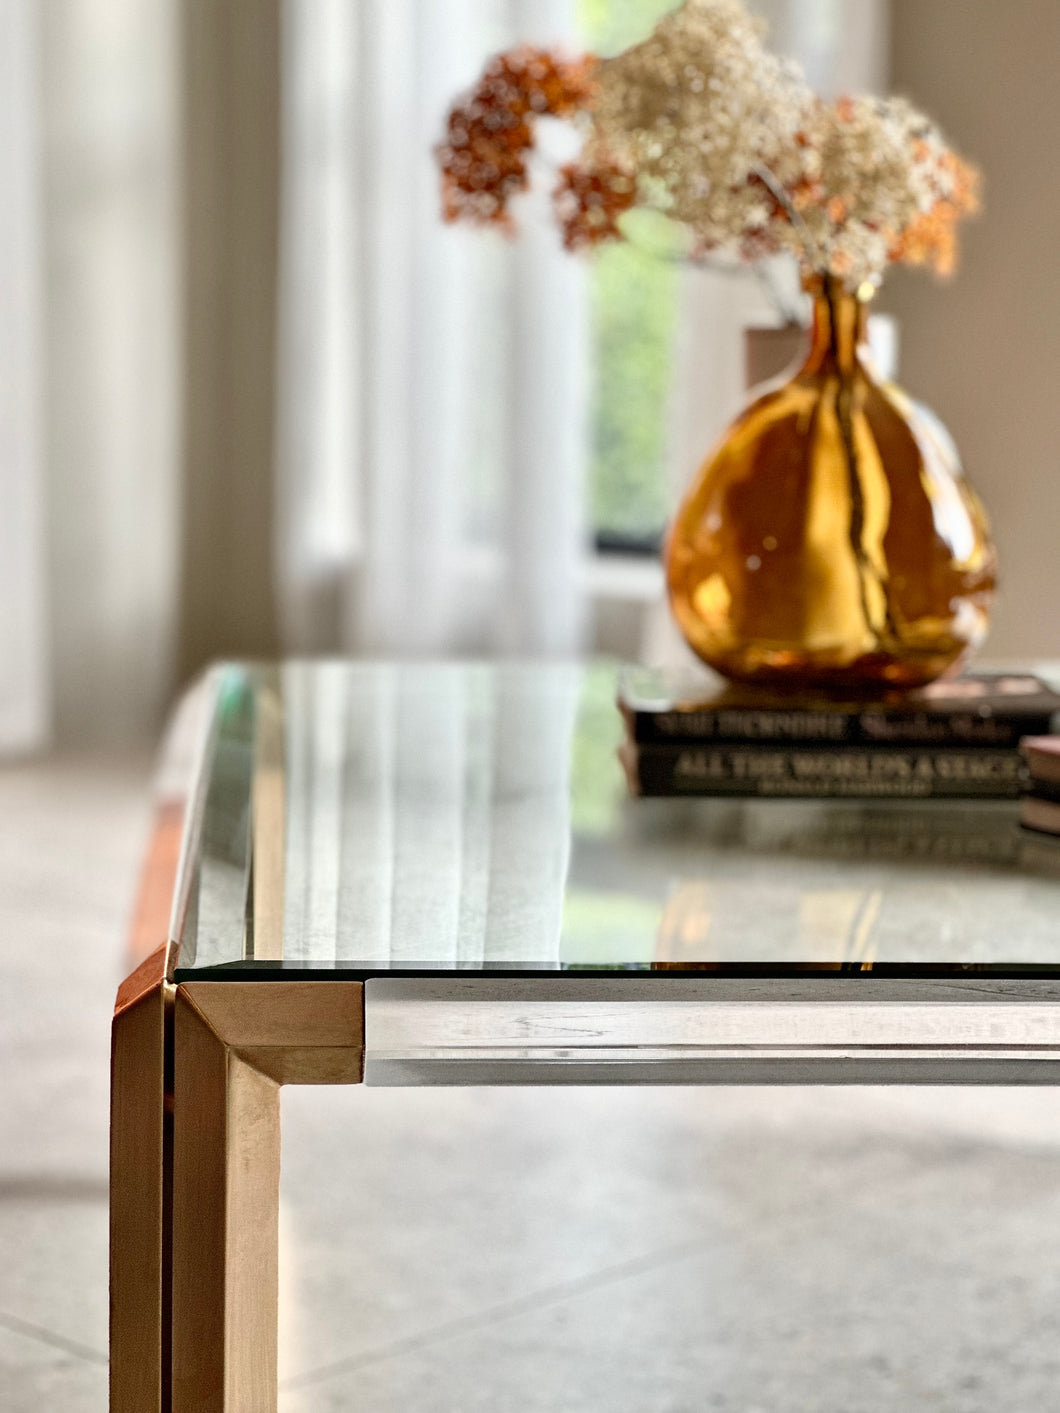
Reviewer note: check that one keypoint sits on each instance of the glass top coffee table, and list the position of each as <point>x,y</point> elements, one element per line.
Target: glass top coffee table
<point>434,875</point>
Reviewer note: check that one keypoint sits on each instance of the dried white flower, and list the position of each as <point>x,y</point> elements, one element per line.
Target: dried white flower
<point>694,110</point>
<point>728,139</point>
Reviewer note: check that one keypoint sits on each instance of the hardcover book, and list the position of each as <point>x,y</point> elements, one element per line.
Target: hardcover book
<point>989,710</point>
<point>1040,813</point>
<point>1042,755</point>
<point>1041,804</point>
<point>821,772</point>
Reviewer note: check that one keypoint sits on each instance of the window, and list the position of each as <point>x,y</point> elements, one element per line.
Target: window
<point>634,313</point>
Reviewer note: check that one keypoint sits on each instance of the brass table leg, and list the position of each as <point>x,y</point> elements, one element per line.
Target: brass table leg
<point>226,1178</point>
<point>139,1316</point>
<point>235,1043</point>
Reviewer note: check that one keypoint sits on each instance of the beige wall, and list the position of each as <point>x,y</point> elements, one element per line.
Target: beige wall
<point>984,350</point>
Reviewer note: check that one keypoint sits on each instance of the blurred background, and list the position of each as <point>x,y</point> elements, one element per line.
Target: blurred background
<point>255,398</point>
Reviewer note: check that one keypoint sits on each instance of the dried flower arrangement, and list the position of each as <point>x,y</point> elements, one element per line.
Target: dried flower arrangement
<point>702,123</point>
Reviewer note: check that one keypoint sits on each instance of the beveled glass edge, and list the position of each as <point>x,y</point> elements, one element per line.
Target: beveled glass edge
<point>250,970</point>
<point>191,835</point>
<point>190,863</point>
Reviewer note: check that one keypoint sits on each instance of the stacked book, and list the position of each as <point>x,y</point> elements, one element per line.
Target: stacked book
<point>1041,804</point>
<point>957,739</point>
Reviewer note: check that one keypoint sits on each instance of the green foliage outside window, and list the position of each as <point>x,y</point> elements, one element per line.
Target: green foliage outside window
<point>634,310</point>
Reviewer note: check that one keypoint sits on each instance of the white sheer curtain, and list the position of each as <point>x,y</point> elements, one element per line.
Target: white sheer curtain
<point>431,399</point>
<point>431,390</point>
<point>89,344</point>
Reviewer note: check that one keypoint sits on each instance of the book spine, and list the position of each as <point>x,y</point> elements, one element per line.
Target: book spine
<point>830,773</point>
<point>1043,789</point>
<point>773,727</point>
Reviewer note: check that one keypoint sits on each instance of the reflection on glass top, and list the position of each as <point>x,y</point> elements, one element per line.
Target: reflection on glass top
<point>369,818</point>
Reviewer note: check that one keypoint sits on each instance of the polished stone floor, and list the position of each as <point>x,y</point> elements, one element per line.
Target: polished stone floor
<point>529,1251</point>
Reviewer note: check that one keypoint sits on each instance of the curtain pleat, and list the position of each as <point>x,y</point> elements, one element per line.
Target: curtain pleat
<point>88,368</point>
<point>24,656</point>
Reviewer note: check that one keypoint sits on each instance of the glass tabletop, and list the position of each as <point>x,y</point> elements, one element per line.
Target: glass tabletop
<point>362,819</point>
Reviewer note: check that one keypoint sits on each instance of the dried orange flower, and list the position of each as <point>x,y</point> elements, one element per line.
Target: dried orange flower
<point>931,238</point>
<point>489,132</point>
<point>589,201</point>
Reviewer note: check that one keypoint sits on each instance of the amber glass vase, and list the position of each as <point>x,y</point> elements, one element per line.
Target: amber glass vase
<point>831,540</point>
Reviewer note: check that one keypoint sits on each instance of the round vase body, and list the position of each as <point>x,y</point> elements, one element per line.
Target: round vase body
<point>831,540</point>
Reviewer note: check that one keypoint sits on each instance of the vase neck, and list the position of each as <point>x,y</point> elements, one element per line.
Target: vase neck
<point>839,319</point>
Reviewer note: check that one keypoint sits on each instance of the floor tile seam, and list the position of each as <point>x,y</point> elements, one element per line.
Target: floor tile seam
<point>51,1188</point>
<point>491,1315</point>
<point>15,1325</point>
